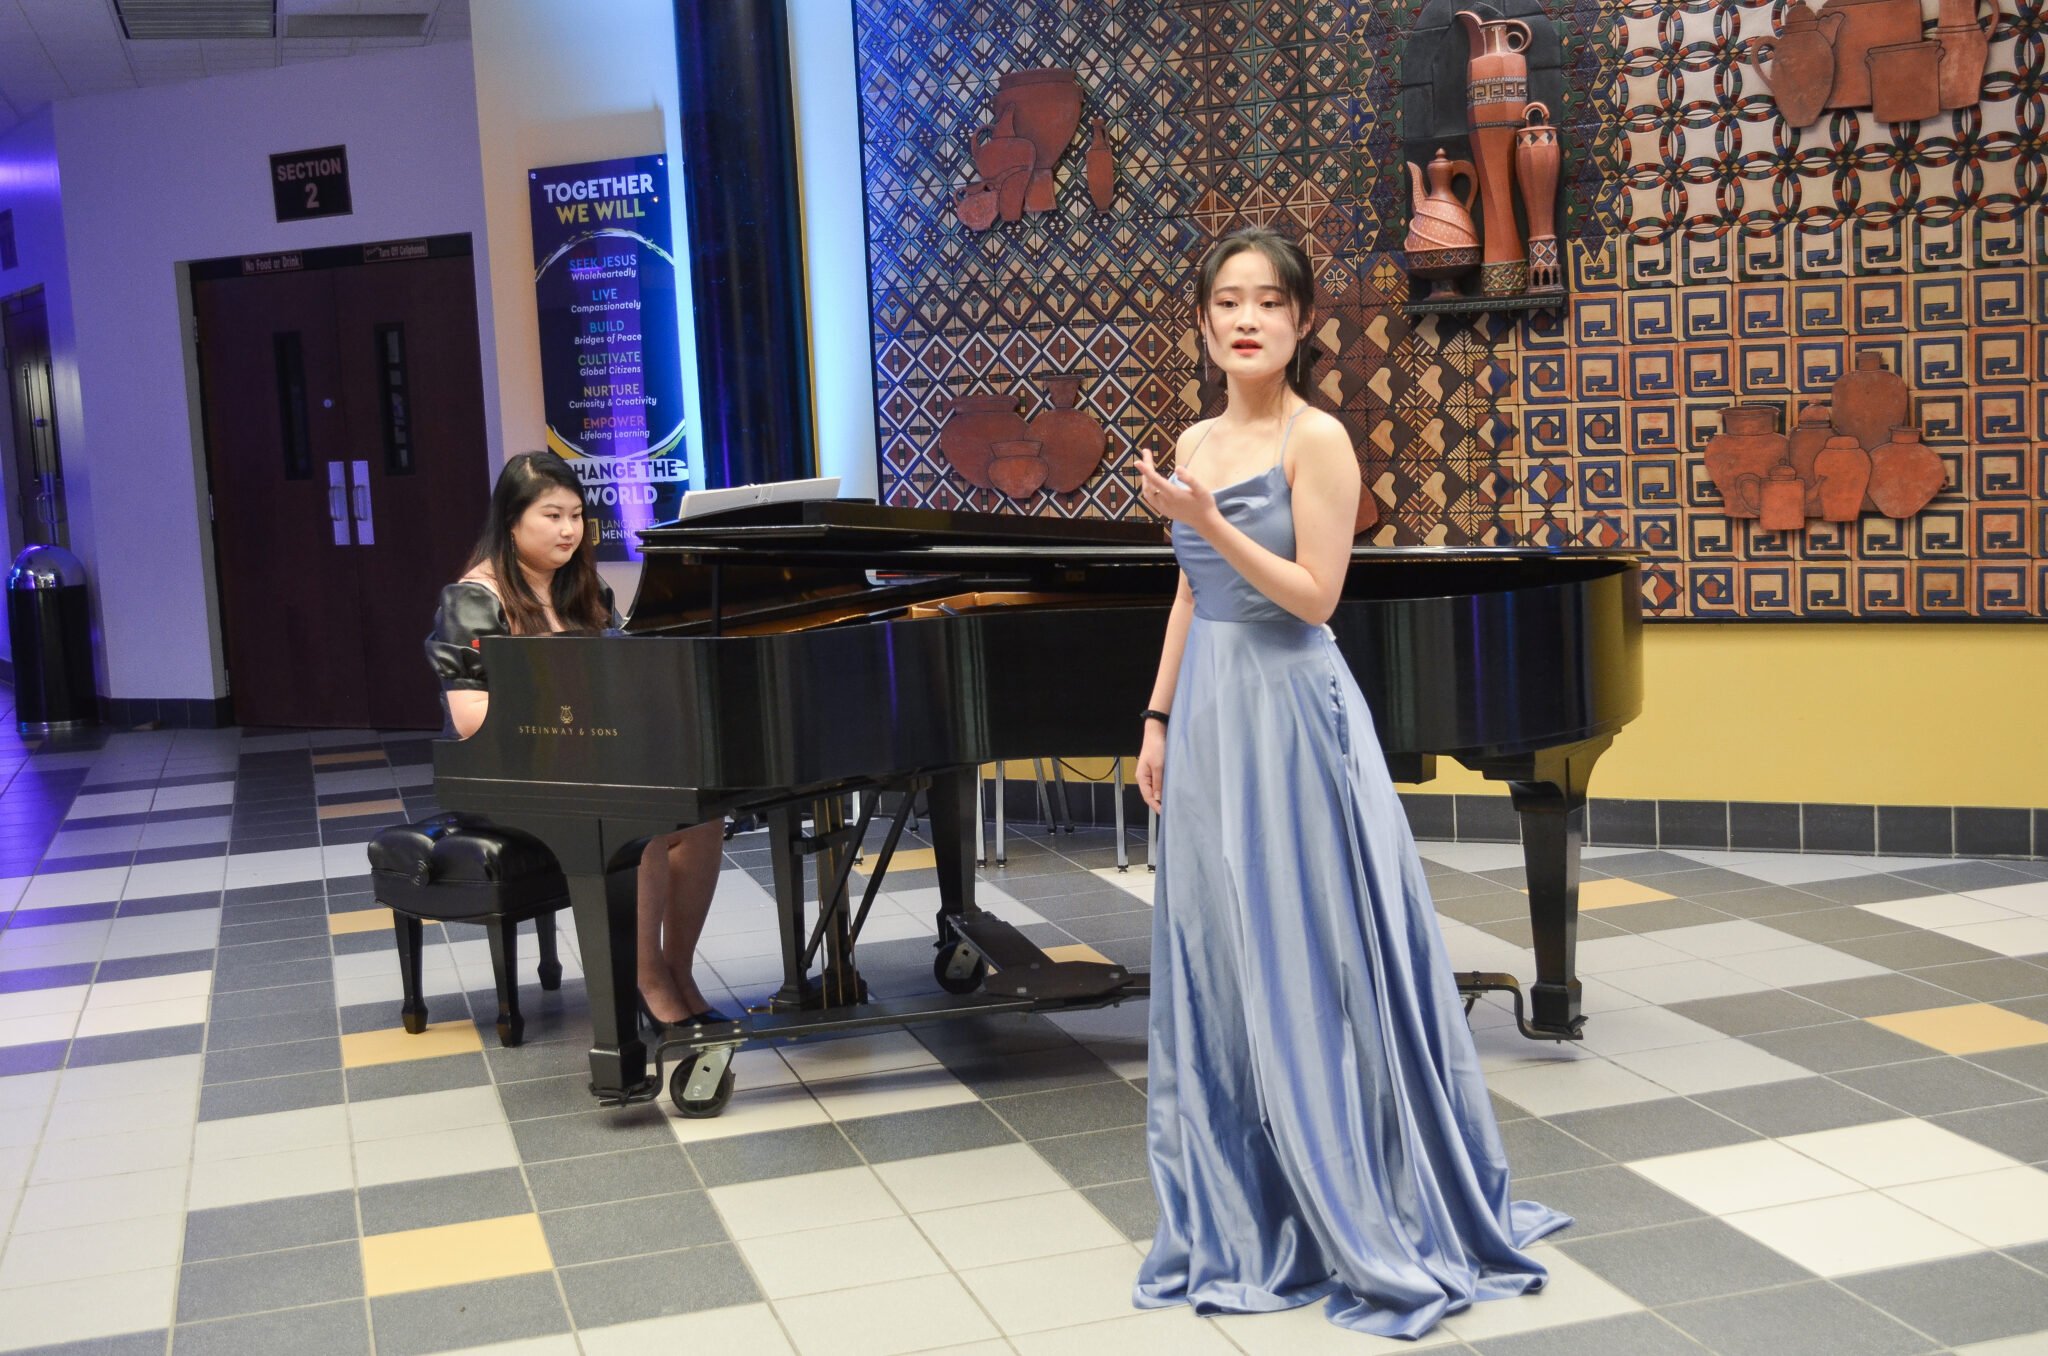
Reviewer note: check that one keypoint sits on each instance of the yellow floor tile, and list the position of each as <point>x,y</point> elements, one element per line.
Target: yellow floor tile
<point>454,1254</point>
<point>358,920</point>
<point>904,859</point>
<point>389,1046</point>
<point>1613,892</point>
<point>1079,951</point>
<point>347,757</point>
<point>1970,1029</point>
<point>356,808</point>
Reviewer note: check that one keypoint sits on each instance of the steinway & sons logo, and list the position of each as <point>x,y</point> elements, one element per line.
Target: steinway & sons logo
<point>570,727</point>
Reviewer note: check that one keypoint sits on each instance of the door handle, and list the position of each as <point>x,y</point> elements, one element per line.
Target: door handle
<point>366,526</point>
<point>337,503</point>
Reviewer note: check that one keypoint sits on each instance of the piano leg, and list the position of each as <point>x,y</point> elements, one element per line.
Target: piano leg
<point>1553,827</point>
<point>607,912</point>
<point>785,843</point>
<point>842,983</point>
<point>955,804</point>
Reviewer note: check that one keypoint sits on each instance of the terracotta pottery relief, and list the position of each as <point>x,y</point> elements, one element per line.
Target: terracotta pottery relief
<point>1748,445</point>
<point>1801,69</point>
<point>1869,402</point>
<point>1101,170</point>
<point>1778,499</point>
<point>1842,469</point>
<point>1808,438</point>
<point>973,428</point>
<point>1071,439</point>
<point>1905,81</point>
<point>1442,241</point>
<point>1537,159</point>
<point>1047,106</point>
<point>1865,24</point>
<point>1966,45</point>
<point>1016,468</point>
<point>1904,475</point>
<point>977,206</point>
<point>1497,95</point>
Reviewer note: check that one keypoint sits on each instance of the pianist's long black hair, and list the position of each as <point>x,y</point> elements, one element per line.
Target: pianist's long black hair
<point>1297,279</point>
<point>578,604</point>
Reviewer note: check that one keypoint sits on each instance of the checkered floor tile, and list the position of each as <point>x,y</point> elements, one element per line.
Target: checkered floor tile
<point>1810,1114</point>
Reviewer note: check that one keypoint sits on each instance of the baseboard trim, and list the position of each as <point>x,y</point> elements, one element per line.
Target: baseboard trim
<point>170,713</point>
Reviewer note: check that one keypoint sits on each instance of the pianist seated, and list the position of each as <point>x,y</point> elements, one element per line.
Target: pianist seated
<point>534,572</point>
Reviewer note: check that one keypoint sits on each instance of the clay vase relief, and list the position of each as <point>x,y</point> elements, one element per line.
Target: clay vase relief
<point>1514,145</point>
<point>1872,54</point>
<point>1036,114</point>
<point>992,446</point>
<point>1854,452</point>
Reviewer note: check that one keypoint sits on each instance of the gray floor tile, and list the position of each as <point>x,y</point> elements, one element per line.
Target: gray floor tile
<point>1070,1111</point>
<point>404,1078</point>
<point>236,960</point>
<point>1795,1107</point>
<point>2019,1129</point>
<point>1606,1200</point>
<point>1100,1157</point>
<point>1960,1299</point>
<point>750,1158</point>
<point>504,1310</point>
<point>1130,1206</point>
<point>1644,1129</point>
<point>591,1132</point>
<point>917,1134</point>
<point>1065,909</point>
<point>1746,1014</point>
<point>133,1045</point>
<point>1641,865</point>
<point>617,1177</point>
<point>435,1201</point>
<point>1814,1319</point>
<point>153,1343</point>
<point>238,1033</point>
<point>1989,980</point>
<point>2027,1063</point>
<point>1702,882</point>
<point>285,998</point>
<point>1656,915</point>
<point>595,1233</point>
<point>1111,927</point>
<point>532,1098</point>
<point>245,977</point>
<point>1622,1335</point>
<point>269,1280</point>
<point>1676,1262</point>
<point>1770,901</point>
<point>258,1096</point>
<point>968,1039</point>
<point>711,1277</point>
<point>1911,950</point>
<point>246,932</point>
<point>145,967</point>
<point>269,1226</point>
<point>338,1329</point>
<point>1879,995</point>
<point>536,1059</point>
<point>1871,888</point>
<point>1958,877</point>
<point>1536,1147</point>
<point>1489,906</point>
<point>1840,923</point>
<point>1841,1045</point>
<point>1931,1086</point>
<point>1134,955</point>
<point>272,1061</point>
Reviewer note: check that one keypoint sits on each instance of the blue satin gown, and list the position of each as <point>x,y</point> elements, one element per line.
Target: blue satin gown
<point>1318,1126</point>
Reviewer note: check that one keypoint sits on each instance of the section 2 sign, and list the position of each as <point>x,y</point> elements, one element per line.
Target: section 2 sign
<point>306,184</point>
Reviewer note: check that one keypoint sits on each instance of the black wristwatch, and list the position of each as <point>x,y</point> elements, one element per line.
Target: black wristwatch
<point>1149,714</point>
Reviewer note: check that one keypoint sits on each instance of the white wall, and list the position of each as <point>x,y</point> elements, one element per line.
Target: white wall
<point>29,189</point>
<point>155,177</point>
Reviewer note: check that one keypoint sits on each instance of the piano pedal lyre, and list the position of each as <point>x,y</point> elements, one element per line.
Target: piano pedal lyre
<point>1472,983</point>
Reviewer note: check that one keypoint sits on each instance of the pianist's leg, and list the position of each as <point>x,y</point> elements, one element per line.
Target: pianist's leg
<point>678,873</point>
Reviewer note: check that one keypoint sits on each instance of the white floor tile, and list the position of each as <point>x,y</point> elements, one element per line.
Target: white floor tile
<point>33,948</point>
<point>282,867</point>
<point>1474,857</point>
<point>443,1153</point>
<point>883,1320</point>
<point>99,805</point>
<point>168,1012</point>
<point>1711,1067</point>
<point>872,1252</point>
<point>1582,1085</point>
<point>1895,1153</point>
<point>425,1113</point>
<point>1644,1028</point>
<point>15,1162</point>
<point>1839,1235</point>
<point>47,1026</point>
<point>174,1077</point>
<point>102,1200</point>
<point>1014,1230</point>
<point>844,1058</point>
<point>813,1200</point>
<point>1159,1332</point>
<point>270,1133</point>
<point>161,934</point>
<point>1998,1209</point>
<point>119,1115</point>
<point>28,1091</point>
<point>752,1110</point>
<point>74,1311</point>
<point>153,989</point>
<point>21,1128</point>
<point>2012,937</point>
<point>2030,898</point>
<point>1794,868</point>
<point>111,1155</point>
<point>1940,911</point>
<point>194,796</point>
<point>1605,955</point>
<point>882,1094</point>
<point>1572,1294</point>
<point>1709,941</point>
<point>55,889</point>
<point>1807,963</point>
<point>1304,1331</point>
<point>92,1250</point>
<point>153,880</point>
<point>2032,1344</point>
<point>1751,1176</point>
<point>270,1177</point>
<point>969,1177</point>
<point>743,1328</point>
<point>1683,982</point>
<point>1056,1292</point>
<point>561,1344</point>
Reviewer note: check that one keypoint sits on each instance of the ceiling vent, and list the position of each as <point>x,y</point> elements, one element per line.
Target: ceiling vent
<point>355,25</point>
<point>142,20</point>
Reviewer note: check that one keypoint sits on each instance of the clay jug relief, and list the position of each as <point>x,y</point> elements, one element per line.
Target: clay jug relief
<point>1874,54</point>
<point>1036,115</point>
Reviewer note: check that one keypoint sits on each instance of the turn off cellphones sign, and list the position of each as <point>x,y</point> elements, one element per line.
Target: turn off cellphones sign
<point>309,184</point>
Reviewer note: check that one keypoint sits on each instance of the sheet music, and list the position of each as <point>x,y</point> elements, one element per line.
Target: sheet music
<point>697,503</point>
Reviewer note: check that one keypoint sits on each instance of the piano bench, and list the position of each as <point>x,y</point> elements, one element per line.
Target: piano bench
<point>460,869</point>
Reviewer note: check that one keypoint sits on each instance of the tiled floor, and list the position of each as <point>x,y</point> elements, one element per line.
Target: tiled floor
<point>1809,1116</point>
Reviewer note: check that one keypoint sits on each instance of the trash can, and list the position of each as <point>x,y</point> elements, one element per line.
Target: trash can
<point>51,634</point>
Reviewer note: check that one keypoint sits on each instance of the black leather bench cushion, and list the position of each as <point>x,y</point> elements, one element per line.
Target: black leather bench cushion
<point>456,866</point>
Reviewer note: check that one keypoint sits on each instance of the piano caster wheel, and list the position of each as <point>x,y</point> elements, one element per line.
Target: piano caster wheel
<point>699,1108</point>
<point>959,970</point>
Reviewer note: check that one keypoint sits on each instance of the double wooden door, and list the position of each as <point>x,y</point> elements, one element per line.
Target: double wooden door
<point>345,443</point>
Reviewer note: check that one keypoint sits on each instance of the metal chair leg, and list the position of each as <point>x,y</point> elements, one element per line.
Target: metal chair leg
<point>1059,786</point>
<point>1123,851</point>
<point>980,822</point>
<point>1151,840</point>
<point>1002,853</point>
<point>1044,805</point>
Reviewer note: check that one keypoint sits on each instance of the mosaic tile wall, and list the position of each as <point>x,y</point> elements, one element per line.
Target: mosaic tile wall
<point>1716,256</point>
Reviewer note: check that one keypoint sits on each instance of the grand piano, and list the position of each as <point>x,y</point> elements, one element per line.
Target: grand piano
<point>787,660</point>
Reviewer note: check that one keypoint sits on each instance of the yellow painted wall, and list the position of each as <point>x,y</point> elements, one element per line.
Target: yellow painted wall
<point>1853,714</point>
